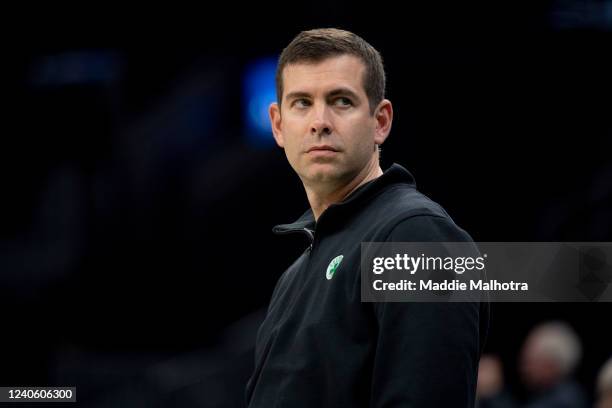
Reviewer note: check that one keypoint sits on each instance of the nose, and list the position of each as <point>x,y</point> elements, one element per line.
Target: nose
<point>321,125</point>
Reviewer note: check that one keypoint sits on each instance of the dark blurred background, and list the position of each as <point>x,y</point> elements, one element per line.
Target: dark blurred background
<point>139,193</point>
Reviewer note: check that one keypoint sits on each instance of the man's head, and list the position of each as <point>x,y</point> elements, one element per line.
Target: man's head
<point>550,354</point>
<point>331,114</point>
<point>604,386</point>
<point>316,45</point>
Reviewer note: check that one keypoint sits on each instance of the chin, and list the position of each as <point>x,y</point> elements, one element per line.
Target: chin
<point>322,172</point>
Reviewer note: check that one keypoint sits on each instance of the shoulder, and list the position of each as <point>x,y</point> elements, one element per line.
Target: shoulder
<point>405,214</point>
<point>428,228</point>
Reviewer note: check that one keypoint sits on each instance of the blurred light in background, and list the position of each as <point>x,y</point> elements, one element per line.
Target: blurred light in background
<point>259,91</point>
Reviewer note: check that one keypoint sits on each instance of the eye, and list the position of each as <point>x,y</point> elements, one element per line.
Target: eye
<point>342,101</point>
<point>301,103</point>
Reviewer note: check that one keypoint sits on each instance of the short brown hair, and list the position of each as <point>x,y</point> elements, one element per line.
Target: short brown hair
<point>316,45</point>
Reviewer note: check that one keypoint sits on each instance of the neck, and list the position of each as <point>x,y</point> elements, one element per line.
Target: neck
<point>321,197</point>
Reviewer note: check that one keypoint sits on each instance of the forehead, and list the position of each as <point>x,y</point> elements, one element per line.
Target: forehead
<point>341,71</point>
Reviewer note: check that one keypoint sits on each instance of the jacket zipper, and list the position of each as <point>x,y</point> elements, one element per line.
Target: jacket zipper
<point>310,234</point>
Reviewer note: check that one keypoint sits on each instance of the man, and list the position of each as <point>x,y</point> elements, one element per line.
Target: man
<point>548,359</point>
<point>319,345</point>
<point>604,386</point>
<point>491,391</point>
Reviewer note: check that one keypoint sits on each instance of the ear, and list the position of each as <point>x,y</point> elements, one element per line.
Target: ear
<point>275,121</point>
<point>384,119</point>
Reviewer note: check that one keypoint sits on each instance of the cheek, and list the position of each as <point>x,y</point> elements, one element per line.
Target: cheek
<point>287,135</point>
<point>292,149</point>
<point>363,140</point>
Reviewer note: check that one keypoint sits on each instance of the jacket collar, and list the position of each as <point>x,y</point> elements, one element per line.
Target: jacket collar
<point>395,174</point>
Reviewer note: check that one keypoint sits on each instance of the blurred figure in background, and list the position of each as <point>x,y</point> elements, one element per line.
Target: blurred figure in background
<point>604,386</point>
<point>548,358</point>
<point>490,391</point>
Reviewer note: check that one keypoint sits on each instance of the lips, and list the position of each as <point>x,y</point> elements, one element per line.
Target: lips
<point>322,148</point>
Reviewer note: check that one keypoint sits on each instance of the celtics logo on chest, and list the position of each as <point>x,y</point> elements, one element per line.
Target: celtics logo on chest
<point>333,266</point>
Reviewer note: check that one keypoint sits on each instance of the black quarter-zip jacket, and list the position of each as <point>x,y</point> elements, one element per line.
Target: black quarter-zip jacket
<point>320,346</point>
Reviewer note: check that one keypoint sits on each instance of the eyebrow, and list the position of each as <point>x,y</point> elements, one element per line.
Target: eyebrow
<point>332,93</point>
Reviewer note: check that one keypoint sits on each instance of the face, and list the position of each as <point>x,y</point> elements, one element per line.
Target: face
<point>324,122</point>
<point>605,401</point>
<point>537,370</point>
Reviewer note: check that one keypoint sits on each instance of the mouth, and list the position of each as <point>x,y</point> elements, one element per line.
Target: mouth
<point>322,149</point>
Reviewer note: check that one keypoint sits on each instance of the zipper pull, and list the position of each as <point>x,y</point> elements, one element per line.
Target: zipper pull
<point>310,234</point>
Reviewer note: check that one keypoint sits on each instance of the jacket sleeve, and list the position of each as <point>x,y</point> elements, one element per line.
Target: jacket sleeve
<point>427,353</point>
